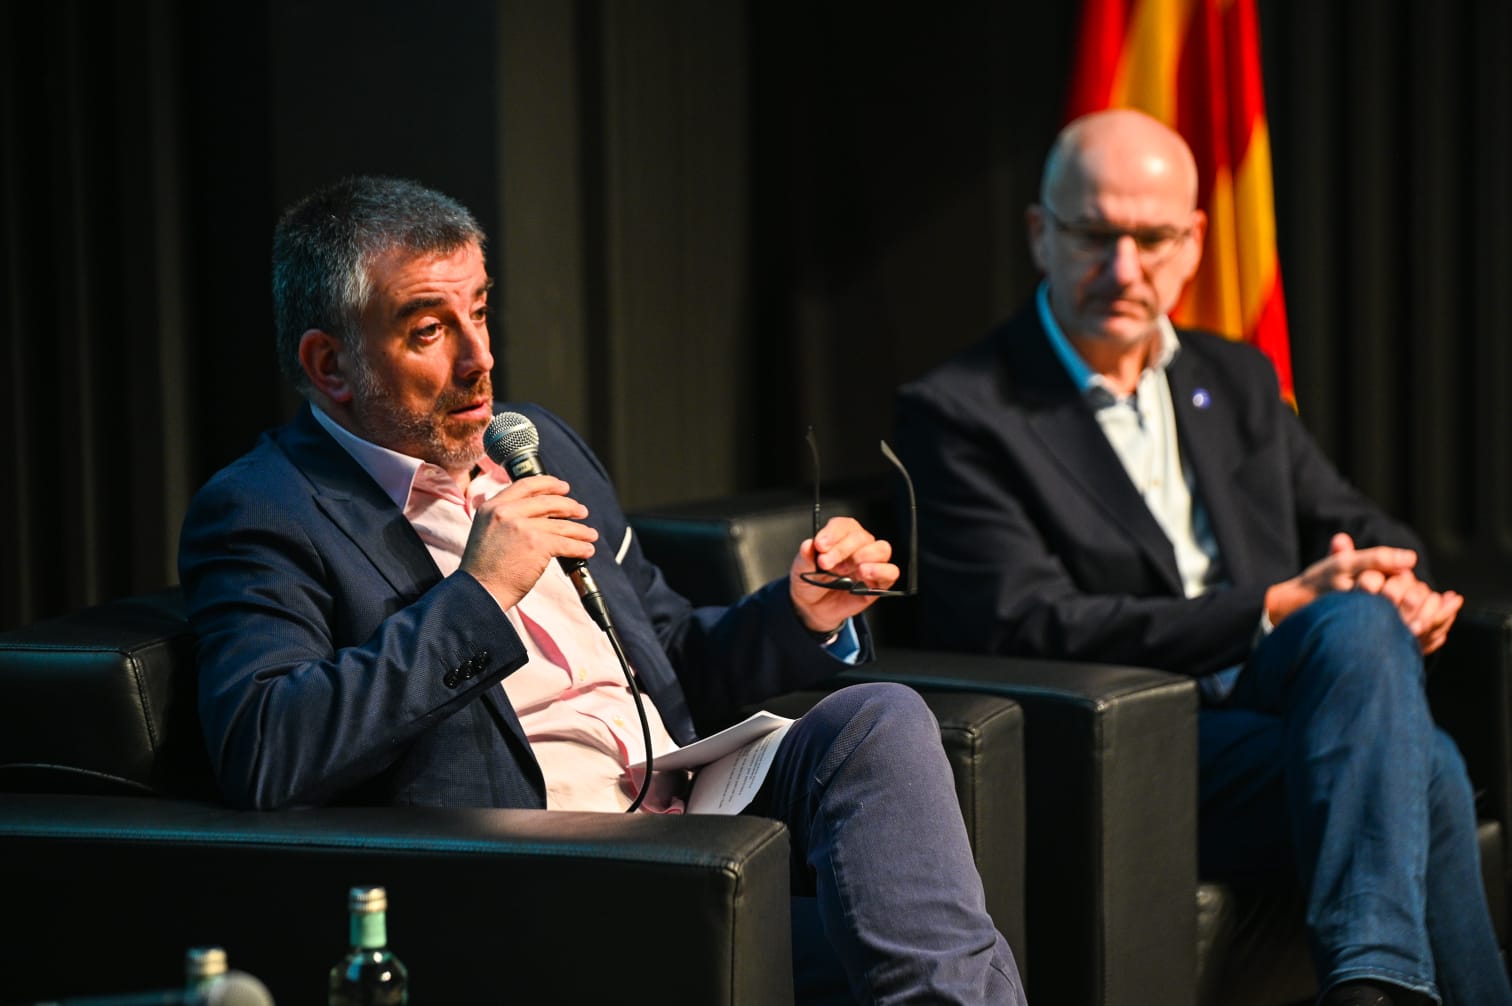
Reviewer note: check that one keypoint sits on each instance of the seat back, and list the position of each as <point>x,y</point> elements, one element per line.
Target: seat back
<point>103,701</point>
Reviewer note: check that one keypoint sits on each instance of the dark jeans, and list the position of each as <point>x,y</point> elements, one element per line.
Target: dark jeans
<point>1325,760</point>
<point>864,787</point>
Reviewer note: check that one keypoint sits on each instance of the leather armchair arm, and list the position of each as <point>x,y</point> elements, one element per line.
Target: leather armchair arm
<point>983,738</point>
<point>600,903</point>
<point>1111,800</point>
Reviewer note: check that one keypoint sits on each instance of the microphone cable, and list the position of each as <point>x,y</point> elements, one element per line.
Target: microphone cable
<point>513,443</point>
<point>640,707</point>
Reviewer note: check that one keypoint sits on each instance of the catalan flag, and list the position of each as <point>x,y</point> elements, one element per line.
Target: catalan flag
<point>1195,65</point>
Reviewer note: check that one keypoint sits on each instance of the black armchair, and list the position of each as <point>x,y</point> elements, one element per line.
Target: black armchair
<point>108,813</point>
<point>1116,914</point>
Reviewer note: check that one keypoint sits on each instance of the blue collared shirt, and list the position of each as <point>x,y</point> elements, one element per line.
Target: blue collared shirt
<point>1141,428</point>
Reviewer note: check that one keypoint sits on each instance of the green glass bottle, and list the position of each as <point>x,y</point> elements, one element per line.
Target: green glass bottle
<point>369,975</point>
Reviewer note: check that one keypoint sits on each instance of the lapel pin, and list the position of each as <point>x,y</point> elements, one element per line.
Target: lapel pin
<point>1201,399</point>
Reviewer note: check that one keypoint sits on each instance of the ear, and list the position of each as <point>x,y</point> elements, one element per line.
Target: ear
<point>1194,244</point>
<point>320,356</point>
<point>1037,225</point>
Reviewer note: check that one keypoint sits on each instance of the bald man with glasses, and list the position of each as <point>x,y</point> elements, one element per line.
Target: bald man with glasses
<point>1095,485</point>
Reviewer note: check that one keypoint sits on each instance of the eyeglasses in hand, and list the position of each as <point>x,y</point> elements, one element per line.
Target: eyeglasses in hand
<point>834,581</point>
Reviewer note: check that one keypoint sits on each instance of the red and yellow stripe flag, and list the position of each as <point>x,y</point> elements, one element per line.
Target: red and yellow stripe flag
<point>1195,65</point>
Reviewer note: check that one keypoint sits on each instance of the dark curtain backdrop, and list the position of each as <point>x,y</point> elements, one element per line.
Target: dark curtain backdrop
<point>713,222</point>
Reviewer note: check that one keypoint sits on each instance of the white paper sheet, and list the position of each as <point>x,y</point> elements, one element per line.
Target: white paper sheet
<point>729,766</point>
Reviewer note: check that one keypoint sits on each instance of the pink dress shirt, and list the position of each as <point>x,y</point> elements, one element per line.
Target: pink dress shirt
<point>570,695</point>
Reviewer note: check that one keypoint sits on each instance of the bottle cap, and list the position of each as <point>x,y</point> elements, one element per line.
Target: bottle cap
<point>204,962</point>
<point>368,899</point>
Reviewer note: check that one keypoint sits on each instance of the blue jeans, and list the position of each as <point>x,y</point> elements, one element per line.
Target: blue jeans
<point>864,787</point>
<point>1324,759</point>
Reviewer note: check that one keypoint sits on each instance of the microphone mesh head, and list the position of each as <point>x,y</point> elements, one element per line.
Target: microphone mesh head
<point>508,436</point>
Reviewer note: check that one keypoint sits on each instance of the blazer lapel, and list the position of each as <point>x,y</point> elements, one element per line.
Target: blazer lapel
<point>1203,424</point>
<point>1076,444</point>
<point>359,510</point>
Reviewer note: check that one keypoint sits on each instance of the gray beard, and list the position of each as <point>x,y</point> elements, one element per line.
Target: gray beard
<point>386,423</point>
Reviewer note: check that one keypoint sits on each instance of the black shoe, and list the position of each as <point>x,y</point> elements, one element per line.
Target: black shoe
<point>1369,993</point>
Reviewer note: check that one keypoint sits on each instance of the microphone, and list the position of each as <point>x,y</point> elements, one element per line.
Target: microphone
<point>513,443</point>
<point>234,988</point>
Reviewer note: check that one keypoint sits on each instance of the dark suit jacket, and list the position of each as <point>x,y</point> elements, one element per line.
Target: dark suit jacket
<point>1035,542</point>
<point>337,665</point>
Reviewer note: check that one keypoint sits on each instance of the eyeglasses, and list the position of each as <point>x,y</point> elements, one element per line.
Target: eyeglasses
<point>834,581</point>
<point>1095,242</point>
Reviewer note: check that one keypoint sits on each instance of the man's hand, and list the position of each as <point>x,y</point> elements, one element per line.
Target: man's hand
<point>521,529</point>
<point>845,548</point>
<point>1340,570</point>
<point>1427,613</point>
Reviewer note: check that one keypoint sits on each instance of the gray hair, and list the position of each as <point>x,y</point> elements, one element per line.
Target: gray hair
<point>324,245</point>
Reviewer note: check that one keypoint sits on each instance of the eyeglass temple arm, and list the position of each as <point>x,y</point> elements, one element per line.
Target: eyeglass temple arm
<point>814,453</point>
<point>913,519</point>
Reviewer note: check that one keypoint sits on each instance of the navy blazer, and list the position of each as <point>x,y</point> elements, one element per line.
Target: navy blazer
<point>1035,542</point>
<point>337,665</point>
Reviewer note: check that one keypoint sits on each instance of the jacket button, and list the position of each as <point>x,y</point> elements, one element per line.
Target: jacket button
<point>450,681</point>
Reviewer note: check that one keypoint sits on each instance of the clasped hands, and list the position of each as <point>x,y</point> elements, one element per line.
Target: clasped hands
<point>1427,613</point>
<point>520,529</point>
